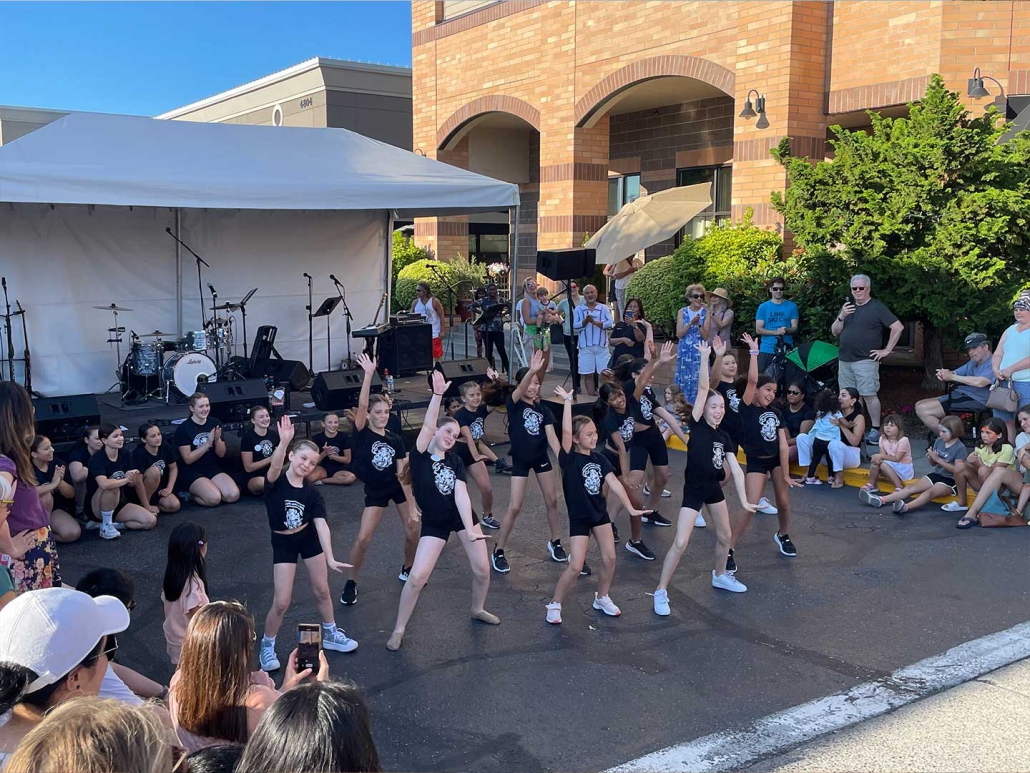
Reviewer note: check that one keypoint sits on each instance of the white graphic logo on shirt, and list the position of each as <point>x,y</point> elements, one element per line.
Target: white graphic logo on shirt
<point>646,407</point>
<point>734,400</point>
<point>476,428</point>
<point>201,439</point>
<point>294,513</point>
<point>718,455</point>
<point>160,465</point>
<point>769,424</point>
<point>382,455</point>
<point>333,450</point>
<point>444,478</point>
<point>265,448</point>
<point>119,475</point>
<point>532,420</point>
<point>592,478</point>
<point>626,429</point>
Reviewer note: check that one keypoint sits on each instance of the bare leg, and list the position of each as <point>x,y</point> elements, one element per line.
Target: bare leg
<point>916,487</point>
<point>256,486</point>
<point>782,494</point>
<point>370,517</point>
<point>317,474</point>
<point>136,517</point>
<point>936,490</point>
<point>684,528</point>
<point>64,527</point>
<point>930,412</point>
<point>659,477</point>
<point>227,487</point>
<point>719,517</point>
<point>204,492</point>
<point>282,576</point>
<point>548,482</point>
<point>606,542</point>
<point>874,476</point>
<point>518,495</point>
<point>892,475</point>
<point>341,478</point>
<point>754,485</point>
<point>1000,477</point>
<point>169,504</point>
<point>479,562</point>
<point>318,576</point>
<point>634,480</point>
<point>872,403</point>
<point>151,480</point>
<point>577,557</point>
<point>481,477</point>
<point>412,531</point>
<point>426,556</point>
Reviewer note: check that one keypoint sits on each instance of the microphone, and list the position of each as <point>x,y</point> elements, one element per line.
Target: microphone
<point>335,280</point>
<point>3,279</point>
<point>168,230</point>
<point>307,275</point>
<point>211,287</point>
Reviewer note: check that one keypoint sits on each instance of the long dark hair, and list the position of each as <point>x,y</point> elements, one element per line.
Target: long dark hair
<point>14,679</point>
<point>997,426</point>
<point>185,558</point>
<point>600,407</point>
<point>319,726</point>
<point>17,428</point>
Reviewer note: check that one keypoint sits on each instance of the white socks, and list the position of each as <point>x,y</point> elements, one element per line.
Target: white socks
<point>107,516</point>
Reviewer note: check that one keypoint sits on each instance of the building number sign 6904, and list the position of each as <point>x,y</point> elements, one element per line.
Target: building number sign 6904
<point>307,102</point>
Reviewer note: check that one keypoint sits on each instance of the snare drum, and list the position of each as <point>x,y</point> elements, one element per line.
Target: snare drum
<point>183,371</point>
<point>194,341</point>
<point>145,359</point>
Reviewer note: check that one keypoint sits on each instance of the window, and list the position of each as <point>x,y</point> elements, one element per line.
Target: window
<point>621,191</point>
<point>488,242</point>
<point>721,178</point>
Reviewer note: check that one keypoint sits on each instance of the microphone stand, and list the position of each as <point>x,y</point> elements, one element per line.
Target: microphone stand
<point>340,290</point>
<point>214,329</point>
<point>311,325</point>
<point>200,278</point>
<point>8,333</point>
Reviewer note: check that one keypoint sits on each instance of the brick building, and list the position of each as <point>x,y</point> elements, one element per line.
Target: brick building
<point>587,104</point>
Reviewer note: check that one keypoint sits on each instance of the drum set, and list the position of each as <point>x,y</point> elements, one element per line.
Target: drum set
<point>160,366</point>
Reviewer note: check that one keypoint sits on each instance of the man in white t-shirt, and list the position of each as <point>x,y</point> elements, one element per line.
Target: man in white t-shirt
<point>621,273</point>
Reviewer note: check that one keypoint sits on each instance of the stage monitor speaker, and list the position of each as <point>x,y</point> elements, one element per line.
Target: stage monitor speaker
<point>292,372</point>
<point>460,371</point>
<point>336,390</point>
<point>231,401</point>
<point>64,418</point>
<point>565,265</point>
<point>582,408</point>
<point>405,350</point>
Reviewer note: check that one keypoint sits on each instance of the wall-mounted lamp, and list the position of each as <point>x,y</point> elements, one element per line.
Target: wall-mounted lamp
<point>757,108</point>
<point>975,85</point>
<point>420,152</point>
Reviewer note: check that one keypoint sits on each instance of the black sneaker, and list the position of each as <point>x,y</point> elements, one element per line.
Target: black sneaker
<point>557,551</point>
<point>638,548</point>
<point>731,565</point>
<point>490,522</point>
<point>656,519</point>
<point>350,593</point>
<point>499,562</point>
<point>502,466</point>
<point>615,534</point>
<point>585,571</point>
<point>785,545</point>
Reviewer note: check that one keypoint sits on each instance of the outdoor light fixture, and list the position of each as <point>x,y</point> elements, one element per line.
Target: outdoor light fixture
<point>758,108</point>
<point>975,85</point>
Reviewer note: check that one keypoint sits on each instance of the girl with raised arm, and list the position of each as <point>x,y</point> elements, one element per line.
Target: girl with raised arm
<point>296,515</point>
<point>378,456</point>
<point>584,473</point>
<point>708,455</point>
<point>438,483</point>
<point>471,418</point>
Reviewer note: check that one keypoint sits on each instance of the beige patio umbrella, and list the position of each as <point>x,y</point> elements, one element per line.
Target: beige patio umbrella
<point>649,220</point>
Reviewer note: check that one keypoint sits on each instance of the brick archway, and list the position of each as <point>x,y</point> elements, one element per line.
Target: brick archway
<point>647,69</point>
<point>489,104</point>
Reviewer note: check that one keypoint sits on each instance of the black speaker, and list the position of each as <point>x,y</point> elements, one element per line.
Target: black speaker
<point>405,350</point>
<point>460,371</point>
<point>264,345</point>
<point>64,418</point>
<point>563,265</point>
<point>293,372</point>
<point>231,401</point>
<point>557,406</point>
<point>335,390</point>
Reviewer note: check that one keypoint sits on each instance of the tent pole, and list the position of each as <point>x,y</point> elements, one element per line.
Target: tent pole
<point>513,266</point>
<point>178,273</point>
<point>389,263</point>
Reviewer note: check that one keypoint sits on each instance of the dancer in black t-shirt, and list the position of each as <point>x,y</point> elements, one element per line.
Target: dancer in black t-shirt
<point>201,445</point>
<point>296,516</point>
<point>55,492</point>
<point>768,456</point>
<point>155,458</point>
<point>78,465</point>
<point>531,430</point>
<point>256,448</point>
<point>709,453</point>
<point>111,473</point>
<point>438,482</point>
<point>378,458</point>
<point>471,418</point>
<point>335,456</point>
<point>585,472</point>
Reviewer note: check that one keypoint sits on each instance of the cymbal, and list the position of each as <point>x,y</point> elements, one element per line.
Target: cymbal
<point>226,307</point>
<point>156,334</point>
<point>112,307</point>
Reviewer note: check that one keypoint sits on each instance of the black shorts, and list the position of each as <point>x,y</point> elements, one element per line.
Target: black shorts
<point>936,477</point>
<point>581,527</point>
<point>613,458</point>
<point>303,543</point>
<point>701,492</point>
<point>762,464</point>
<point>646,445</point>
<point>441,528</point>
<point>381,496</point>
<point>520,467</point>
<point>191,473</point>
<point>331,467</point>
<point>123,500</point>
<point>465,453</point>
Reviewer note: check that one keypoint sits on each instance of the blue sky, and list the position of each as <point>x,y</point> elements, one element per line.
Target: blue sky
<point>148,57</point>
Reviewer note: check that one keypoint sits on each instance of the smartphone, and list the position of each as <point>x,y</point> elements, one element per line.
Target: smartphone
<point>309,642</point>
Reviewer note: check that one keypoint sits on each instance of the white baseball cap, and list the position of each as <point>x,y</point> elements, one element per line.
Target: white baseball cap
<point>52,630</point>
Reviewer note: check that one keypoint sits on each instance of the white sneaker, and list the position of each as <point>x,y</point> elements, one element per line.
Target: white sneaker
<point>953,507</point>
<point>606,605</point>
<point>95,525</point>
<point>108,531</point>
<point>338,641</point>
<point>727,582</point>
<point>661,603</point>
<point>767,507</point>
<point>699,521</point>
<point>647,490</point>
<point>268,660</point>
<point>554,613</point>
<point>666,493</point>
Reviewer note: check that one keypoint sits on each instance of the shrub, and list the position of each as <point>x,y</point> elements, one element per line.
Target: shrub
<point>405,252</point>
<point>458,270</point>
<point>659,285</point>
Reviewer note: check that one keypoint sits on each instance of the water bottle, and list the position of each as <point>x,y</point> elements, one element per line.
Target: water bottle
<point>389,381</point>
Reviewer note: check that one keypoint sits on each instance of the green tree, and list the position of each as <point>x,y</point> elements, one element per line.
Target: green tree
<point>931,206</point>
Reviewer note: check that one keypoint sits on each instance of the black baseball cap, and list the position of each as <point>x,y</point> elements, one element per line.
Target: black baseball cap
<point>974,340</point>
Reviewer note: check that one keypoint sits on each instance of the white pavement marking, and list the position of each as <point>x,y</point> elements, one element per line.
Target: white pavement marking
<point>733,749</point>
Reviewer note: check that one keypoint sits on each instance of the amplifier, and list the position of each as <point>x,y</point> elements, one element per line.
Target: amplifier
<point>460,371</point>
<point>292,372</point>
<point>336,390</point>
<point>406,349</point>
<point>65,418</point>
<point>564,265</point>
<point>232,400</point>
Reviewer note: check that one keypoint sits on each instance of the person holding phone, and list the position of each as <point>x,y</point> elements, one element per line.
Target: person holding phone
<point>437,478</point>
<point>631,335</point>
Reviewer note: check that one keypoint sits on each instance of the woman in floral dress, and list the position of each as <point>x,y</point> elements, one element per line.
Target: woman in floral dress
<point>692,327</point>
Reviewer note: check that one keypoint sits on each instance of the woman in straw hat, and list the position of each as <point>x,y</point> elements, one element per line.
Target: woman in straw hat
<point>720,311</point>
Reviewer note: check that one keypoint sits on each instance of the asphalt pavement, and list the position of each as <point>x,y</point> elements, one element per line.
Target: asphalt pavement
<point>868,593</point>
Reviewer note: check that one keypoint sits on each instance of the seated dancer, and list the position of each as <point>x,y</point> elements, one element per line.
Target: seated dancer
<point>78,464</point>
<point>111,470</point>
<point>256,448</point>
<point>334,457</point>
<point>200,443</point>
<point>55,492</point>
<point>155,458</point>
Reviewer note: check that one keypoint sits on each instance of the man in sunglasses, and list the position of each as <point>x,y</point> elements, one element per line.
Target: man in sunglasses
<point>860,327</point>
<point>775,319</point>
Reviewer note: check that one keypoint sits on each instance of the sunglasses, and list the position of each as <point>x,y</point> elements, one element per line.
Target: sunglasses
<point>697,296</point>
<point>858,289</point>
<point>776,289</point>
<point>793,392</point>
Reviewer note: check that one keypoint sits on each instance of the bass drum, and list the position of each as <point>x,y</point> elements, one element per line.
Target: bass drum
<point>183,371</point>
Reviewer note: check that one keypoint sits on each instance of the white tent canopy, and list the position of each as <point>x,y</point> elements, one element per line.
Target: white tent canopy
<point>86,201</point>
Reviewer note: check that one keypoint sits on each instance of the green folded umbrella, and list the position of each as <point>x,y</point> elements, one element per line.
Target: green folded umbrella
<point>812,355</point>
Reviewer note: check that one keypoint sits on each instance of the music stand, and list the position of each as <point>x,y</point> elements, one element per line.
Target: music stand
<point>243,308</point>
<point>328,307</point>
